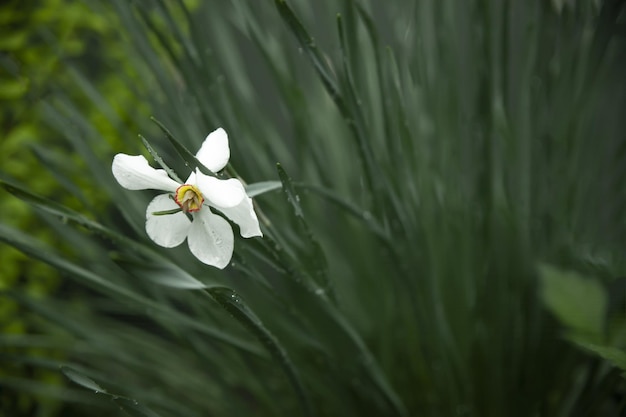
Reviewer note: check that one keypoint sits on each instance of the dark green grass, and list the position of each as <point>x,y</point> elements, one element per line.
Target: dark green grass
<point>433,155</point>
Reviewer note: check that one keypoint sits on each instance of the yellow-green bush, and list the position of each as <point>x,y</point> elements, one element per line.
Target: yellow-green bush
<point>41,43</point>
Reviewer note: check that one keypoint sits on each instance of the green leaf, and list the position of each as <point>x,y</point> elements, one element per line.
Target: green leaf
<point>349,111</point>
<point>133,408</point>
<point>233,303</point>
<point>159,160</point>
<point>44,203</point>
<point>55,166</point>
<point>166,275</point>
<point>355,119</point>
<point>82,380</point>
<point>189,158</point>
<point>68,215</point>
<point>309,46</point>
<point>356,211</point>
<point>129,406</point>
<point>37,251</point>
<point>579,303</point>
<point>258,188</point>
<point>166,212</point>
<point>609,353</point>
<point>290,193</point>
<point>36,388</point>
<point>315,257</point>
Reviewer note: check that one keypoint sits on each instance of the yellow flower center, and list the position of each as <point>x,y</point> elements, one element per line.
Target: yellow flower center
<point>189,198</point>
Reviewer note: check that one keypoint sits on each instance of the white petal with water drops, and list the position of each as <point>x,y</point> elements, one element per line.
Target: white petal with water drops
<point>243,214</point>
<point>211,239</point>
<point>134,173</point>
<point>220,193</point>
<point>168,230</point>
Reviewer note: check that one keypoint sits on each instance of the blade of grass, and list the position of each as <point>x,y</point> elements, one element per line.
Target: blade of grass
<point>258,188</point>
<point>315,259</point>
<point>354,124</point>
<point>357,212</point>
<point>36,251</point>
<point>233,303</point>
<point>159,160</point>
<point>128,405</point>
<point>190,159</point>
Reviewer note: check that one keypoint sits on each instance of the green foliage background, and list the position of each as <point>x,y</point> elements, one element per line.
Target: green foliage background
<point>38,39</point>
<point>451,178</point>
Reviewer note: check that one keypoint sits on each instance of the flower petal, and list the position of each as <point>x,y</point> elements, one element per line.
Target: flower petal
<point>134,173</point>
<point>214,152</point>
<point>211,239</point>
<point>220,193</point>
<point>167,230</point>
<point>243,214</point>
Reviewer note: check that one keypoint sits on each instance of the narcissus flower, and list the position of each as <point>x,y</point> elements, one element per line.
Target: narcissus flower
<point>184,212</point>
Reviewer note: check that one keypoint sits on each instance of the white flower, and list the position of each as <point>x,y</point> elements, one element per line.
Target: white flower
<point>210,237</point>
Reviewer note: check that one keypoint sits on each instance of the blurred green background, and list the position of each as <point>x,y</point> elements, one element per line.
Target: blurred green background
<point>450,242</point>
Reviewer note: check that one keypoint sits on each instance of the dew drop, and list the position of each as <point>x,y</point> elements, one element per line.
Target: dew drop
<point>216,238</point>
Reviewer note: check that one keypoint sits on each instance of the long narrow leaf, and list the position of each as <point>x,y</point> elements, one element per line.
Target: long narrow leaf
<point>315,255</point>
<point>189,158</point>
<point>233,303</point>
